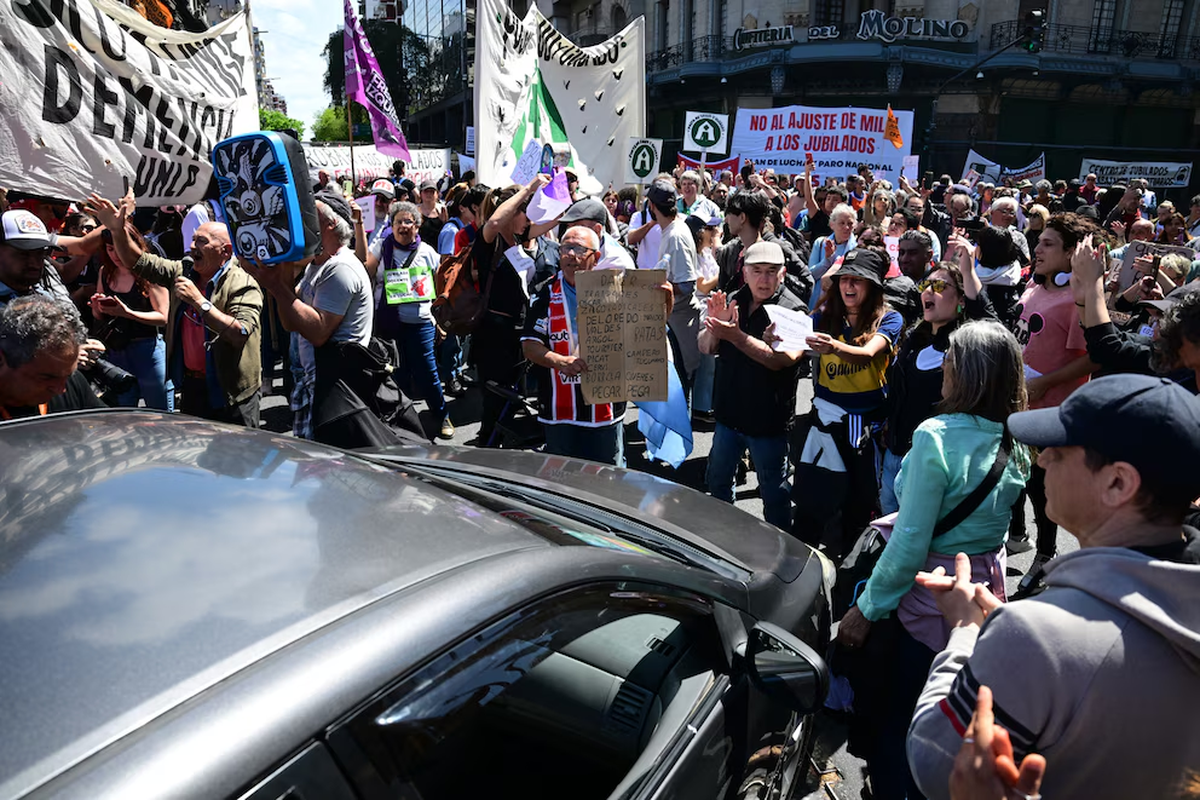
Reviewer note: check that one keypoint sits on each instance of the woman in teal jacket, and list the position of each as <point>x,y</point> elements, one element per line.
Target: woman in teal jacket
<point>895,621</point>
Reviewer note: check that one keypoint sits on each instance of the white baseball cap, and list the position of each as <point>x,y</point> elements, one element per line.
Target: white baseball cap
<point>24,231</point>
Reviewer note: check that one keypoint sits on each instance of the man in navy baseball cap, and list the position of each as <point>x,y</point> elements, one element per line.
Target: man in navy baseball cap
<point>1102,668</point>
<point>1149,423</point>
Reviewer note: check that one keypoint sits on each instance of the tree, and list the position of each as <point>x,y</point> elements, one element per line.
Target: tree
<point>271,120</point>
<point>330,125</point>
<point>424,80</point>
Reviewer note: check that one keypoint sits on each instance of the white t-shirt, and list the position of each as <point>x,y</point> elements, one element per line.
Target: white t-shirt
<point>613,255</point>
<point>338,286</point>
<point>678,251</point>
<point>426,256</point>
<point>647,248</point>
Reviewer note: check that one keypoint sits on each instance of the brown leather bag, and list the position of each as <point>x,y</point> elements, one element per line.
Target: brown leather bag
<point>459,305</point>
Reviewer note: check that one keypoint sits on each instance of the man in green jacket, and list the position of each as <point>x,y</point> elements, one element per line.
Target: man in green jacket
<point>213,336</point>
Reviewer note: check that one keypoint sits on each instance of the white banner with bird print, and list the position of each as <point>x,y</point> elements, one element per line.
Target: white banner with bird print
<point>532,82</point>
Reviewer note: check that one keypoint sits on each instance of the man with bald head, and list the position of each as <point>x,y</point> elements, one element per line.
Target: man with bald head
<point>213,335</point>
<point>574,427</point>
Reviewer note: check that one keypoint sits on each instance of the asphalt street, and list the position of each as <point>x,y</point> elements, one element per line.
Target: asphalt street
<point>841,773</point>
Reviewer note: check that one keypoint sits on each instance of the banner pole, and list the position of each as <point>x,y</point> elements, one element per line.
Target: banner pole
<point>350,134</point>
<point>703,159</point>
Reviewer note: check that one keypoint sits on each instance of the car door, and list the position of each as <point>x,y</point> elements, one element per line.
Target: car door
<point>615,689</point>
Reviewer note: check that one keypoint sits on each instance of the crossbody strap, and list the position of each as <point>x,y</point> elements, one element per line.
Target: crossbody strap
<point>972,501</point>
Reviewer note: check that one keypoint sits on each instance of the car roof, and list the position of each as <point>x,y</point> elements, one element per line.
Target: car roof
<point>146,557</point>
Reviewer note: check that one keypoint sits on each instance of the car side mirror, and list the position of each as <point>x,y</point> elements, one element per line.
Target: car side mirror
<point>786,669</point>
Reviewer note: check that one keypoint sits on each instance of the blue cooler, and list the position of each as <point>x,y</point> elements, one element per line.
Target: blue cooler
<point>265,190</point>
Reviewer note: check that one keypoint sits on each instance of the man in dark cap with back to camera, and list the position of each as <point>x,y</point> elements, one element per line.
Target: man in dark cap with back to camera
<point>1100,673</point>
<point>677,255</point>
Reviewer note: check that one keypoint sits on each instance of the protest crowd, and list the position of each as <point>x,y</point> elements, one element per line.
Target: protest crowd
<point>973,351</point>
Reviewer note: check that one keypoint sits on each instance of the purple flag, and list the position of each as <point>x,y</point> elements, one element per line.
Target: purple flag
<point>365,86</point>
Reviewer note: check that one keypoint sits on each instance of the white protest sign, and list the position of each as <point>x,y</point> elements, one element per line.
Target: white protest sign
<point>529,164</point>
<point>706,133</point>
<point>792,328</point>
<point>532,82</point>
<point>1160,174</point>
<point>984,167</point>
<point>642,159</point>
<point>367,204</point>
<point>465,163</point>
<point>470,140</point>
<point>369,163</point>
<point>1033,172</point>
<point>93,94</point>
<point>1136,249</point>
<point>839,139</point>
<point>912,168</point>
<point>892,243</point>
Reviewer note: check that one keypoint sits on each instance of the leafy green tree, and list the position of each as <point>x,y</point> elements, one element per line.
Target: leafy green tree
<point>271,120</point>
<point>330,125</point>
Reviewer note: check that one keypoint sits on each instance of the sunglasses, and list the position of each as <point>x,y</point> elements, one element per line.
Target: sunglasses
<point>87,228</point>
<point>579,251</point>
<point>404,223</point>
<point>936,284</point>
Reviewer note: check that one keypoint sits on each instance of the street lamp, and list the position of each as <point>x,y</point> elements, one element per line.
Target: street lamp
<point>777,77</point>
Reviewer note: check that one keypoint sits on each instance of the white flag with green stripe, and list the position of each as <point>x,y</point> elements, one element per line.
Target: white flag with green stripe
<point>531,82</point>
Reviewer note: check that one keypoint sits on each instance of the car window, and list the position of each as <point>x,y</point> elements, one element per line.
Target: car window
<point>556,700</point>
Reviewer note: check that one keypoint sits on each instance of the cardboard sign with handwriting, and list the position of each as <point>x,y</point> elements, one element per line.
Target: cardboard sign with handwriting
<point>623,335</point>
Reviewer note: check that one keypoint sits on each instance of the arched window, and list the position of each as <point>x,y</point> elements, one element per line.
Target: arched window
<point>619,18</point>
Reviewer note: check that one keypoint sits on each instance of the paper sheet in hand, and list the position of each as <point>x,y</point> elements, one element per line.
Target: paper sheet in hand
<point>792,328</point>
<point>367,204</point>
<point>551,201</point>
<point>529,163</point>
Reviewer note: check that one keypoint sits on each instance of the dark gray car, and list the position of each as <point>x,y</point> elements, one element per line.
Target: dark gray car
<point>194,610</point>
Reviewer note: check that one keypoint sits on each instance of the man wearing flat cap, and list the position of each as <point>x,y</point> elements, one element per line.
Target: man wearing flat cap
<point>755,385</point>
<point>1100,673</point>
<point>591,214</point>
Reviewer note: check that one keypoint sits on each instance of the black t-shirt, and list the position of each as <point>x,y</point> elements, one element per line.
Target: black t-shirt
<point>818,225</point>
<point>429,230</point>
<point>507,298</point>
<point>747,396</point>
<point>78,396</point>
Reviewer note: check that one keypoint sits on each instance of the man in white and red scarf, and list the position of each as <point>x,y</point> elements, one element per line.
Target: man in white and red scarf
<point>573,426</point>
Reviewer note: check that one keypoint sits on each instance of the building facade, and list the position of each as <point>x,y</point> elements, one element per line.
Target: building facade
<point>1113,79</point>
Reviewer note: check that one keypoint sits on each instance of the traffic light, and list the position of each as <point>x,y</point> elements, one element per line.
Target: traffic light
<point>1035,31</point>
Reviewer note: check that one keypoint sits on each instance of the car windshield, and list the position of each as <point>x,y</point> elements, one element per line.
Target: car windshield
<point>566,520</point>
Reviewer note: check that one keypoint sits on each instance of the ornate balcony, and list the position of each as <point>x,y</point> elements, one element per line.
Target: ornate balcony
<point>1082,40</point>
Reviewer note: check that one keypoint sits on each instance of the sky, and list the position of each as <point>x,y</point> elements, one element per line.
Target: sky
<point>294,33</point>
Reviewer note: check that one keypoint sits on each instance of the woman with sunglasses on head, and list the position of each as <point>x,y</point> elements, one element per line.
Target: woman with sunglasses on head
<point>130,312</point>
<point>950,295</point>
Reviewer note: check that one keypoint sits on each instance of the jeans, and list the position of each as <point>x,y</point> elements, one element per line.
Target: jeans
<point>415,345</point>
<point>888,502</point>
<point>702,391</point>
<point>605,445</point>
<point>195,402</point>
<point>449,357</point>
<point>770,463</point>
<point>147,360</point>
